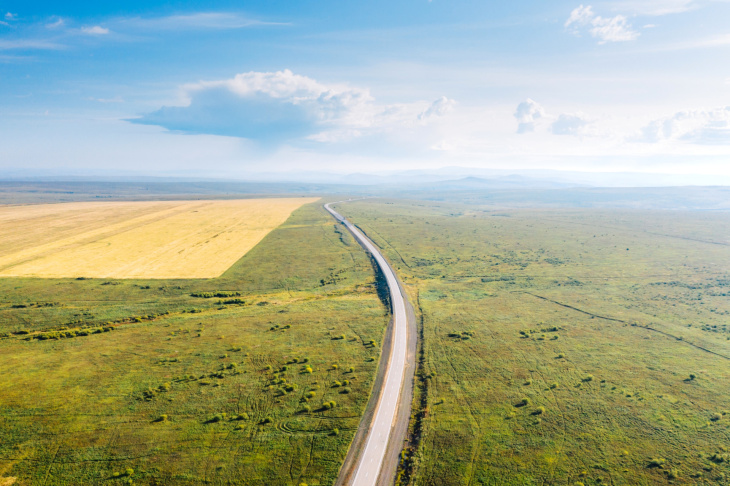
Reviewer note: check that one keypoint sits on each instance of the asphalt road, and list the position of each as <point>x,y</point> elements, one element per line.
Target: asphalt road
<point>376,443</point>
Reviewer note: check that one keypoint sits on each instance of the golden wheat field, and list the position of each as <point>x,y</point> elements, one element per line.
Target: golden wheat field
<point>147,239</point>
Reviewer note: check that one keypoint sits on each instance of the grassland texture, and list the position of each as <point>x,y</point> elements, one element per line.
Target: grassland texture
<point>258,377</point>
<point>566,346</point>
<point>159,239</point>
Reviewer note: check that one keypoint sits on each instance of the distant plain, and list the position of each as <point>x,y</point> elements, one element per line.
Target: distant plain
<point>564,346</point>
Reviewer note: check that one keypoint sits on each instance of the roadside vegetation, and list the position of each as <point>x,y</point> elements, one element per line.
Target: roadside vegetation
<point>256,377</point>
<point>564,346</point>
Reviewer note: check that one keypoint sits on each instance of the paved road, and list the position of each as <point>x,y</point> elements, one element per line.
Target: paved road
<point>376,443</point>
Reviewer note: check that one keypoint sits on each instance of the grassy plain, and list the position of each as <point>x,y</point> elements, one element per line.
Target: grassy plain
<point>566,346</point>
<point>145,239</point>
<point>217,381</point>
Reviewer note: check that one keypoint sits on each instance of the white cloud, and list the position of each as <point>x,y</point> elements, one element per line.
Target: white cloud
<point>57,24</point>
<point>703,127</point>
<point>276,107</point>
<point>95,30</point>
<point>11,16</point>
<point>440,107</point>
<point>199,20</point>
<point>605,29</point>
<point>28,44</point>
<point>527,113</point>
<point>569,124</point>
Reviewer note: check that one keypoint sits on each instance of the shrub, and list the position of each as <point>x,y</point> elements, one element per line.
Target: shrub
<point>716,416</point>
<point>310,394</point>
<point>553,386</point>
<point>267,420</point>
<point>345,391</point>
<point>334,366</point>
<point>656,463</point>
<point>161,418</point>
<point>588,378</point>
<point>335,432</point>
<point>336,384</point>
<point>345,382</point>
<point>561,356</point>
<point>129,471</point>
<point>523,403</point>
<point>539,411</point>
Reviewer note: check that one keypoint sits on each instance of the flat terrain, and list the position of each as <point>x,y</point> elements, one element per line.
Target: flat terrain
<point>159,239</point>
<point>565,346</point>
<point>256,377</point>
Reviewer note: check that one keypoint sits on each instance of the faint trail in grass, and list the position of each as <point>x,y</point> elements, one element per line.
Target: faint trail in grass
<point>647,327</point>
<point>372,230</point>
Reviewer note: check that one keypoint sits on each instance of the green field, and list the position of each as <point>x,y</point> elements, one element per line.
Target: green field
<point>565,346</point>
<point>165,382</point>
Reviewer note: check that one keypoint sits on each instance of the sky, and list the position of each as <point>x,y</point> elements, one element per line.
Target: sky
<point>226,89</point>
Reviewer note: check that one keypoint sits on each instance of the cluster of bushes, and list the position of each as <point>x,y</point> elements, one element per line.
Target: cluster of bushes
<point>277,327</point>
<point>69,333</point>
<point>231,302</point>
<point>35,304</point>
<point>497,279</point>
<point>463,335</point>
<point>329,405</point>
<point>219,293</point>
<point>150,393</point>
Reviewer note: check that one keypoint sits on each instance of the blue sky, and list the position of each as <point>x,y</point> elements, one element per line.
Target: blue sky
<point>230,88</point>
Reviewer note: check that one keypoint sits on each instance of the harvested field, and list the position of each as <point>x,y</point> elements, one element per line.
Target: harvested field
<point>150,239</point>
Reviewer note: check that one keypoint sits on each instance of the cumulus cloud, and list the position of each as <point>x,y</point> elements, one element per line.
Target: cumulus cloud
<point>95,30</point>
<point>704,127</point>
<point>605,29</point>
<point>527,113</point>
<point>440,107</point>
<point>569,124</point>
<point>275,107</point>
<point>10,16</point>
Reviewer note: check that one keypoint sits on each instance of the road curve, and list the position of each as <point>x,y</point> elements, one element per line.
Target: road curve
<point>368,467</point>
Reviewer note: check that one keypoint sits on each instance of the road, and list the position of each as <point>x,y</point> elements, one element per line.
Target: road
<point>368,466</point>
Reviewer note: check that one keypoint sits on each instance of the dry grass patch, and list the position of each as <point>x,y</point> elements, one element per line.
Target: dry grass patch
<point>150,239</point>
